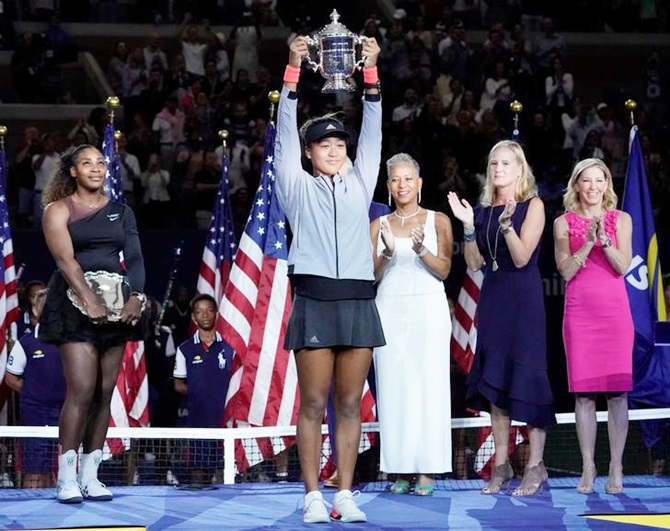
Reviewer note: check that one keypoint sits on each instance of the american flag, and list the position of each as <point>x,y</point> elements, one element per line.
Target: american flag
<point>221,244</point>
<point>255,310</point>
<point>9,302</point>
<point>113,179</point>
<point>464,323</point>
<point>130,398</point>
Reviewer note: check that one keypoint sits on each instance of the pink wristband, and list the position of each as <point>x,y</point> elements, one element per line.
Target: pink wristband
<point>370,75</point>
<point>291,74</point>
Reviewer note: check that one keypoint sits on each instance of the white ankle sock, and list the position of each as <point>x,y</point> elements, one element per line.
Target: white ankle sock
<point>67,466</point>
<point>89,466</point>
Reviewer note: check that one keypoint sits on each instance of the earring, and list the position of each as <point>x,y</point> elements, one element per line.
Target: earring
<point>389,198</point>
<point>419,196</point>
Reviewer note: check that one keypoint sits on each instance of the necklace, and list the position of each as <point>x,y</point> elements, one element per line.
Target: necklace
<point>494,252</point>
<point>403,218</point>
<point>89,205</point>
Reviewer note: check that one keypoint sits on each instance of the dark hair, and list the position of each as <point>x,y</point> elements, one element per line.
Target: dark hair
<point>63,184</point>
<point>202,297</point>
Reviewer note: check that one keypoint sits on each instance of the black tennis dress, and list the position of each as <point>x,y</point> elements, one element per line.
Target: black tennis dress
<point>104,240</point>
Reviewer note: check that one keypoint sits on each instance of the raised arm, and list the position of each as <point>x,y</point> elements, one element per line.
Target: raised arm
<point>287,146</point>
<point>369,150</point>
<point>466,215</point>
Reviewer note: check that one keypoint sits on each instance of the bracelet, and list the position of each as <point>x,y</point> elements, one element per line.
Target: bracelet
<point>142,298</point>
<point>423,252</point>
<point>505,231</point>
<point>469,235</point>
<point>580,261</point>
<point>291,74</point>
<point>370,75</point>
<point>607,243</point>
<point>386,255</point>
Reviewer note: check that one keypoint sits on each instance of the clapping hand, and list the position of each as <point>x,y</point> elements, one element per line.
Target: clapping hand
<point>417,239</point>
<point>505,218</point>
<point>600,231</point>
<point>593,229</point>
<point>387,237</point>
<point>462,210</point>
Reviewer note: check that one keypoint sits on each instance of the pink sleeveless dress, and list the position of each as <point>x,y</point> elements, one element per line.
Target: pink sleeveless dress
<point>597,325</point>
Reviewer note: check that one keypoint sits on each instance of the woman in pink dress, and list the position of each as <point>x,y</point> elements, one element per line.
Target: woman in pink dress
<point>592,247</point>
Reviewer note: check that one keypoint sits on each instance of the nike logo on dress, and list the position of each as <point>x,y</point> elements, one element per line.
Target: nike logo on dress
<point>112,217</point>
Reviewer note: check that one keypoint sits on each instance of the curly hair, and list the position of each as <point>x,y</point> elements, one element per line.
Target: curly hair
<point>571,196</point>
<point>526,188</point>
<point>63,184</point>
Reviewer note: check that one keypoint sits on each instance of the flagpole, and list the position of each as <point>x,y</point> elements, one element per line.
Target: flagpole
<point>3,133</point>
<point>223,135</point>
<point>631,106</point>
<point>516,107</point>
<point>118,135</point>
<point>273,96</point>
<point>112,104</point>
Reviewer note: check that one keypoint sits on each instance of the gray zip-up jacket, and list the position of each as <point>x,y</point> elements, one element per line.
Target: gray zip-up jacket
<point>329,218</point>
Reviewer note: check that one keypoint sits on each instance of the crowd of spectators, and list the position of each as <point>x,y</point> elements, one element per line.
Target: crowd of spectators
<point>446,102</point>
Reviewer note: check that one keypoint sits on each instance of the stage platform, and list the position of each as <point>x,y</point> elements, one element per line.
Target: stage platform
<point>456,505</point>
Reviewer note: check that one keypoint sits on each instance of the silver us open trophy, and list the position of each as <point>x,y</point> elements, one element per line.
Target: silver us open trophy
<point>336,50</point>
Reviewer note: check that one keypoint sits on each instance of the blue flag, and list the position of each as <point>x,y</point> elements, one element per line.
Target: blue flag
<point>113,179</point>
<point>643,282</point>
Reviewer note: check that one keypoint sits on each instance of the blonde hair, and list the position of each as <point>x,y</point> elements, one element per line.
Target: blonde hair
<point>526,188</point>
<point>571,196</point>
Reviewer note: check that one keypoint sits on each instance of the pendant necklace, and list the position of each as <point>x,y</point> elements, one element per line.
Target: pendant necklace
<point>89,205</point>
<point>494,252</point>
<point>403,218</point>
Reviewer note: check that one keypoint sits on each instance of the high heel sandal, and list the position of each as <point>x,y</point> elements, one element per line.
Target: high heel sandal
<point>614,483</point>
<point>589,474</point>
<point>533,479</point>
<point>401,486</point>
<point>501,474</point>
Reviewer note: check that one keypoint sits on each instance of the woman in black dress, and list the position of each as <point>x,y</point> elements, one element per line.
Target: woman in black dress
<point>86,232</point>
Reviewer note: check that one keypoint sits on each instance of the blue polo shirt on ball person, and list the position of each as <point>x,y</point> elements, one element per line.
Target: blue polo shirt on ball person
<point>41,396</point>
<point>207,372</point>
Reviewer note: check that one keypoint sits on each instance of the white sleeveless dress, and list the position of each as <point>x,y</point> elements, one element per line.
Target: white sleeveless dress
<point>413,373</point>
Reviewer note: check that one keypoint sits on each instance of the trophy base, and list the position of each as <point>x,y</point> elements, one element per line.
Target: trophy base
<point>338,83</point>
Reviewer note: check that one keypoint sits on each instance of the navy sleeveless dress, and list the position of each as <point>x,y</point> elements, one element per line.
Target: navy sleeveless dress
<point>510,365</point>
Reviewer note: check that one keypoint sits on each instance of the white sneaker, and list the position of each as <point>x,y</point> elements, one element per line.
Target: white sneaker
<point>96,490</point>
<point>171,479</point>
<point>345,508</point>
<point>315,511</point>
<point>68,492</point>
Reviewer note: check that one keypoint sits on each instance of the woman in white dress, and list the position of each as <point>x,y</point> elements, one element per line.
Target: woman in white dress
<point>412,250</point>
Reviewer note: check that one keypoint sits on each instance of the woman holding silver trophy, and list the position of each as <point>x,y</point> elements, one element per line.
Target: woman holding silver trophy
<point>93,305</point>
<point>334,323</point>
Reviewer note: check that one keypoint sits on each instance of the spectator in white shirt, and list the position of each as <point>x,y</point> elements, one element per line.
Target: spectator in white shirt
<point>45,166</point>
<point>194,51</point>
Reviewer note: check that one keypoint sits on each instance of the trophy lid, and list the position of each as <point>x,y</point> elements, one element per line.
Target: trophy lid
<point>335,27</point>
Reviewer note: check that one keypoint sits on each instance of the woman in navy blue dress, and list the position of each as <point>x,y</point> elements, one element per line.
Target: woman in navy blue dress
<point>509,375</point>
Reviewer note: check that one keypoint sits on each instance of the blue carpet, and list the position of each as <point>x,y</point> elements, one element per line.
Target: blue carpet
<point>456,505</point>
